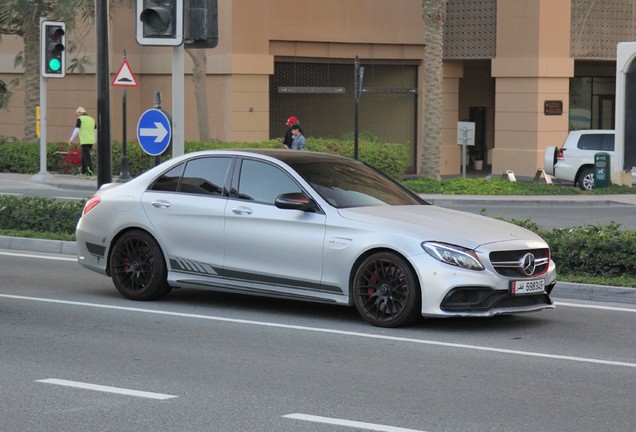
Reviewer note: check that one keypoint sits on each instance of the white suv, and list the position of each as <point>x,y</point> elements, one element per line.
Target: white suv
<point>575,160</point>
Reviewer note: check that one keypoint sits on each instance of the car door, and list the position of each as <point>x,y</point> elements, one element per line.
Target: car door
<point>186,207</point>
<point>267,247</point>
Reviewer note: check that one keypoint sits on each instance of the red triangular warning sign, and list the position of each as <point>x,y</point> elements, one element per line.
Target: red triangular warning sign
<point>125,76</point>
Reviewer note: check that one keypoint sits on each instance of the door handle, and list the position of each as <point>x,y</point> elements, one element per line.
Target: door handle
<point>160,204</point>
<point>242,210</point>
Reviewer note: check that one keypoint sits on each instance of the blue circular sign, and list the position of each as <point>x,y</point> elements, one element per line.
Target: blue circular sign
<point>154,132</point>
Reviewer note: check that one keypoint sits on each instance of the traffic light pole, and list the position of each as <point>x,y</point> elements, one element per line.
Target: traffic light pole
<point>43,175</point>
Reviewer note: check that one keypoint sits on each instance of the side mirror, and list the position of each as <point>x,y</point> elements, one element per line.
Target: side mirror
<point>295,201</point>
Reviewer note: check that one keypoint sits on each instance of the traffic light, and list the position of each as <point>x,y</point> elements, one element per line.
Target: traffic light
<point>159,22</point>
<point>52,56</point>
<point>201,23</point>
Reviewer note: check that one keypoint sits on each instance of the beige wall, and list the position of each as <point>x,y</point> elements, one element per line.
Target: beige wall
<point>450,152</point>
<point>532,66</point>
<point>252,34</point>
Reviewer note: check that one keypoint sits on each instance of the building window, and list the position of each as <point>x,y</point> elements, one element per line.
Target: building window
<point>592,103</point>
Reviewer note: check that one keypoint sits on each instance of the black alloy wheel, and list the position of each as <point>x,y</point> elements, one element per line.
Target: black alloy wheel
<point>385,291</point>
<point>137,267</point>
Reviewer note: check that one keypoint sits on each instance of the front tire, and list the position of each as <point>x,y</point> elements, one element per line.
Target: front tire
<point>586,179</point>
<point>385,291</point>
<point>137,267</point>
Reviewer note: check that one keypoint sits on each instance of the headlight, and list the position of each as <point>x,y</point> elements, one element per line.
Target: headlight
<point>453,255</point>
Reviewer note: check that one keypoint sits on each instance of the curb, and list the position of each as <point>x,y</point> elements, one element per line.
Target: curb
<point>599,293</point>
<point>38,245</point>
<point>441,202</point>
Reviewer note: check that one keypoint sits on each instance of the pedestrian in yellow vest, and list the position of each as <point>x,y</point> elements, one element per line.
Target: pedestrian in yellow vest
<point>86,128</point>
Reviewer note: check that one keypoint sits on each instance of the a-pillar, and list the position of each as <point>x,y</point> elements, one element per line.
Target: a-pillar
<point>532,66</point>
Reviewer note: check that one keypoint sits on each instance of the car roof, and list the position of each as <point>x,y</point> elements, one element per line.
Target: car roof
<point>284,155</point>
<point>593,132</point>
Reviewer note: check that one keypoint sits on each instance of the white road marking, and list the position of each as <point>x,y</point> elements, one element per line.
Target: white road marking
<point>27,255</point>
<point>348,423</point>
<point>107,389</point>
<point>335,332</point>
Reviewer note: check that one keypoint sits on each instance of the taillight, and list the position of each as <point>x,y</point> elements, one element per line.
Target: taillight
<point>560,154</point>
<point>91,204</point>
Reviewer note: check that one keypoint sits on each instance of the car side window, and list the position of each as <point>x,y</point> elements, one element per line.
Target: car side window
<point>205,176</point>
<point>608,142</point>
<point>590,142</point>
<point>263,182</point>
<point>168,181</point>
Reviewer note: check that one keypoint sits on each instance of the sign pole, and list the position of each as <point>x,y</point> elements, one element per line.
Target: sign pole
<point>178,116</point>
<point>123,174</point>
<point>123,79</point>
<point>465,138</point>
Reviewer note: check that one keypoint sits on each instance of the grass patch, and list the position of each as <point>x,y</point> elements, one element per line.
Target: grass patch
<point>496,186</point>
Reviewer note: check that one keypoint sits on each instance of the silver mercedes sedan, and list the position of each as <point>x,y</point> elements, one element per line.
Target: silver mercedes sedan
<point>308,226</point>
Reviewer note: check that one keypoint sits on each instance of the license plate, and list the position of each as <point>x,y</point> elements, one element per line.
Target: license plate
<point>527,287</point>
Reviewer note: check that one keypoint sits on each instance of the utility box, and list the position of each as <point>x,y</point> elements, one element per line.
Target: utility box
<point>602,170</point>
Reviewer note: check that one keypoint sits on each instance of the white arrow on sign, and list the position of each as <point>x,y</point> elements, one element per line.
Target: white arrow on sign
<point>159,132</point>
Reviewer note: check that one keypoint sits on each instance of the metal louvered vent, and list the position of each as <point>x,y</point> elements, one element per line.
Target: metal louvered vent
<point>470,29</point>
<point>597,26</point>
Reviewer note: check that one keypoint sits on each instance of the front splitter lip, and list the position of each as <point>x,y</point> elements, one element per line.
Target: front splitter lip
<point>490,312</point>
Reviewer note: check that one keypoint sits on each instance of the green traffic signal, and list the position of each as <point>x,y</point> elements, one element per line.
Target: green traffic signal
<point>55,65</point>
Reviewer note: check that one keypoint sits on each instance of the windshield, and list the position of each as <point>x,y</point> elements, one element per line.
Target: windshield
<point>347,183</point>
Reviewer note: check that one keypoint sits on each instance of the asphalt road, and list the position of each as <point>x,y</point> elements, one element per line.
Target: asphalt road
<point>76,356</point>
<point>555,214</point>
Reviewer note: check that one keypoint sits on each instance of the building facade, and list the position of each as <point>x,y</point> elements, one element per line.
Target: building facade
<point>525,71</point>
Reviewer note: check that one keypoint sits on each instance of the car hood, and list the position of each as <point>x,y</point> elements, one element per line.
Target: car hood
<point>432,223</point>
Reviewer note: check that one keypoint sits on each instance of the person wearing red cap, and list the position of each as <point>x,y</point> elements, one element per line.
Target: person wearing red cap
<point>289,137</point>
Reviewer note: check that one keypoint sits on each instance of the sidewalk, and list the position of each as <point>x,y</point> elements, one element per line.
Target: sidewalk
<point>38,181</point>
<point>562,289</point>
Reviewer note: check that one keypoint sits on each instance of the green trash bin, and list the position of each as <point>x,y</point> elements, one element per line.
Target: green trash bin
<point>602,172</point>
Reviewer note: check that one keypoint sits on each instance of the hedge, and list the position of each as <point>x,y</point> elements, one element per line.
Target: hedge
<point>19,157</point>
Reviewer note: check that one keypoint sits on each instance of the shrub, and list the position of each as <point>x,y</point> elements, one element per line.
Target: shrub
<point>591,250</point>
<point>39,214</point>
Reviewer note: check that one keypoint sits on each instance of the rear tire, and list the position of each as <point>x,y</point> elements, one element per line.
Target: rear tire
<point>137,267</point>
<point>385,291</point>
<point>586,179</point>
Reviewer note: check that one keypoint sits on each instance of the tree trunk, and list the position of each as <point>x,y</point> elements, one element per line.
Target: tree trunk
<point>32,80</point>
<point>434,12</point>
<point>199,77</point>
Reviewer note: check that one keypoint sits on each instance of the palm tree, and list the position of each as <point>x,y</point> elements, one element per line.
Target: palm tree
<point>22,18</point>
<point>434,12</point>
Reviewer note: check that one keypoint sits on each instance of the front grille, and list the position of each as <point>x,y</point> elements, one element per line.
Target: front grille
<point>477,299</point>
<point>512,263</point>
